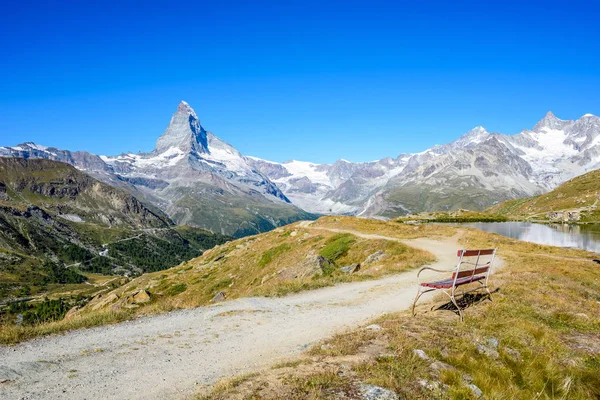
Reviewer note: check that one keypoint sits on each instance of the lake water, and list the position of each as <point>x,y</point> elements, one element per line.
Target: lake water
<point>585,237</point>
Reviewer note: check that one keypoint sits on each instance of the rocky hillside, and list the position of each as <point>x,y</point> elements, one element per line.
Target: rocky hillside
<point>194,176</point>
<point>575,200</point>
<point>296,257</point>
<point>53,216</point>
<point>73,195</point>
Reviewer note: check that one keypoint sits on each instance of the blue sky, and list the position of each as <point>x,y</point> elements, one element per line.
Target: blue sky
<point>304,80</point>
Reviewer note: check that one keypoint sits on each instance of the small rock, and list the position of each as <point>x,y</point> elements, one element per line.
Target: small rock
<point>467,378</point>
<point>374,327</point>
<point>475,390</point>
<point>421,354</point>
<point>482,349</point>
<point>582,316</point>
<point>439,365</point>
<point>372,392</point>
<point>377,256</point>
<point>350,269</point>
<point>219,297</point>
<point>514,354</point>
<point>325,346</point>
<point>493,342</point>
<point>424,383</point>
<point>140,297</point>
<point>294,233</point>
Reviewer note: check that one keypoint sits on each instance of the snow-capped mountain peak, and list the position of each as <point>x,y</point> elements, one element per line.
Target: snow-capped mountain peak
<point>184,107</point>
<point>184,132</point>
<point>474,136</point>
<point>551,122</point>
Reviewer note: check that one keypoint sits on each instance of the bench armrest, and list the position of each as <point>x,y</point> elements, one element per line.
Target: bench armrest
<point>436,270</point>
<point>432,269</point>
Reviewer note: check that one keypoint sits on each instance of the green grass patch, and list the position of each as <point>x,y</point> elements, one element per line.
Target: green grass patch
<point>176,289</point>
<point>273,253</point>
<point>337,246</point>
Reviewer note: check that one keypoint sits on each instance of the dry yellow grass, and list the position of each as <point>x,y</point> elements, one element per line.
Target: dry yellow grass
<point>269,264</point>
<point>390,228</point>
<point>10,334</point>
<point>578,193</point>
<point>545,318</point>
<point>266,265</point>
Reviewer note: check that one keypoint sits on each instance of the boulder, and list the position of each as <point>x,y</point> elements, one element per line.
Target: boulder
<point>350,269</point>
<point>140,297</point>
<point>313,264</point>
<point>219,297</point>
<point>104,301</point>
<point>375,257</point>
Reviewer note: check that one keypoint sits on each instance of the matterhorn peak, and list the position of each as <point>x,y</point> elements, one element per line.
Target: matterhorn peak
<point>184,107</point>
<point>184,132</point>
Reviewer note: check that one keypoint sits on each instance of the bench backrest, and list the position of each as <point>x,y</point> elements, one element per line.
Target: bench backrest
<point>481,265</point>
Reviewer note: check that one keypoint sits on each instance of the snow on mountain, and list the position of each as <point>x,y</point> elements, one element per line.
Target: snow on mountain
<point>198,178</point>
<point>192,175</point>
<point>476,170</point>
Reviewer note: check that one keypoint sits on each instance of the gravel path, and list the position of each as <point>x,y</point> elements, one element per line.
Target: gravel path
<point>166,356</point>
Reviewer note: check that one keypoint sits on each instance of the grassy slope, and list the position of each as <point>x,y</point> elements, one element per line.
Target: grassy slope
<point>453,216</point>
<point>267,264</point>
<point>545,317</point>
<point>233,215</point>
<point>33,193</point>
<point>579,192</point>
<point>420,198</point>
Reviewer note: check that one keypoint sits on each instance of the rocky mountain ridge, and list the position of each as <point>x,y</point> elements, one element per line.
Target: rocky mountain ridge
<point>476,171</point>
<point>198,179</point>
<point>195,177</point>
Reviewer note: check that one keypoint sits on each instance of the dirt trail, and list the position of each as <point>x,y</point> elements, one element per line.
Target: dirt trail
<point>166,356</point>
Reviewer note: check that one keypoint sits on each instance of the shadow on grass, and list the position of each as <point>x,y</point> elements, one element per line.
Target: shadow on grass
<point>465,301</point>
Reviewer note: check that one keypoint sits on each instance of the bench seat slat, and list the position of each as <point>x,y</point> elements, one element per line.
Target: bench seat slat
<point>447,283</point>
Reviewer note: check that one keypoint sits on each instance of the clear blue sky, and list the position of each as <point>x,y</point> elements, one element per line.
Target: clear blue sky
<point>359,80</point>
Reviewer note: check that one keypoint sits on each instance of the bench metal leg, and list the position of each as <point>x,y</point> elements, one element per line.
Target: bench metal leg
<point>457,307</point>
<point>419,293</point>
<point>487,289</point>
<point>453,300</point>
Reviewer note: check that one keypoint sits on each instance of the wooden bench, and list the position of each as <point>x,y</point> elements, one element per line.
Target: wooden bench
<point>473,266</point>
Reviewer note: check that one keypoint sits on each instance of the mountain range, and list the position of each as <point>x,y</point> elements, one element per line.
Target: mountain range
<point>198,179</point>
<point>193,176</point>
<point>476,171</point>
